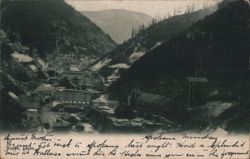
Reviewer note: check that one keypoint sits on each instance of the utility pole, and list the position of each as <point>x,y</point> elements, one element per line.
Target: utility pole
<point>51,96</point>
<point>189,95</point>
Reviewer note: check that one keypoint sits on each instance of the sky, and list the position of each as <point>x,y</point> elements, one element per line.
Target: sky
<point>152,8</point>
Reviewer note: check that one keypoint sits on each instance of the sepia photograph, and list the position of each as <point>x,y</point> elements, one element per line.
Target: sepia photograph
<point>131,67</point>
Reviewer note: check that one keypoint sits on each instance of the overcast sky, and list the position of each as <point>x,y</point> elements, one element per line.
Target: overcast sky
<point>151,7</point>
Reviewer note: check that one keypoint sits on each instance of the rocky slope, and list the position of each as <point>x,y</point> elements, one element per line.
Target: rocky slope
<point>44,33</point>
<point>215,48</point>
<point>50,26</point>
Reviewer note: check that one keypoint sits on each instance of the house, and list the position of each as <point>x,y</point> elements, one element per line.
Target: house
<point>74,79</point>
<point>22,58</point>
<point>33,68</point>
<point>74,68</point>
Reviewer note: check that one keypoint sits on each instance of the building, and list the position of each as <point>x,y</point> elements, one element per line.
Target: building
<point>61,124</point>
<point>85,79</point>
<point>53,71</point>
<point>53,75</point>
<point>197,91</point>
<point>149,102</point>
<point>44,89</point>
<point>29,102</point>
<point>31,114</point>
<point>74,97</point>
<point>71,75</point>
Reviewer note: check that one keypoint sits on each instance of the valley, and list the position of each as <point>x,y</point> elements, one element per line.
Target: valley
<point>61,73</point>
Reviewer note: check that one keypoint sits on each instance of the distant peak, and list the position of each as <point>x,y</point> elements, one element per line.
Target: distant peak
<point>117,11</point>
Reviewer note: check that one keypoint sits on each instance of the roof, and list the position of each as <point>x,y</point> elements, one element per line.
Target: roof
<point>73,72</point>
<point>197,79</point>
<point>12,95</point>
<point>61,123</point>
<point>151,98</point>
<point>92,91</point>
<point>44,88</point>
<point>52,68</point>
<point>33,112</point>
<point>73,95</point>
<point>73,91</point>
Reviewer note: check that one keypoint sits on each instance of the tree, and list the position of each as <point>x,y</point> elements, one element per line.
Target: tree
<point>133,32</point>
<point>10,111</point>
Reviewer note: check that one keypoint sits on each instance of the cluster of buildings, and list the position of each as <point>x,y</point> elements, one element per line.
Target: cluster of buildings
<point>76,79</point>
<point>63,92</point>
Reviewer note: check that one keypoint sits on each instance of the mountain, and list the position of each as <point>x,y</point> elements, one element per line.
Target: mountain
<point>118,23</point>
<point>17,78</point>
<point>33,36</point>
<point>149,38</point>
<point>50,26</point>
<point>216,48</point>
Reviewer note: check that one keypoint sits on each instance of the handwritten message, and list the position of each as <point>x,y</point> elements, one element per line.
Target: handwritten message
<point>124,146</point>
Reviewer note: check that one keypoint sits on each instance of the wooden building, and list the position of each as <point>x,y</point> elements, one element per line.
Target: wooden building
<point>197,91</point>
<point>149,102</point>
<point>75,97</point>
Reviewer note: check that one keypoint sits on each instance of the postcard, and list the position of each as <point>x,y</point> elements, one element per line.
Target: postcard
<point>125,79</point>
